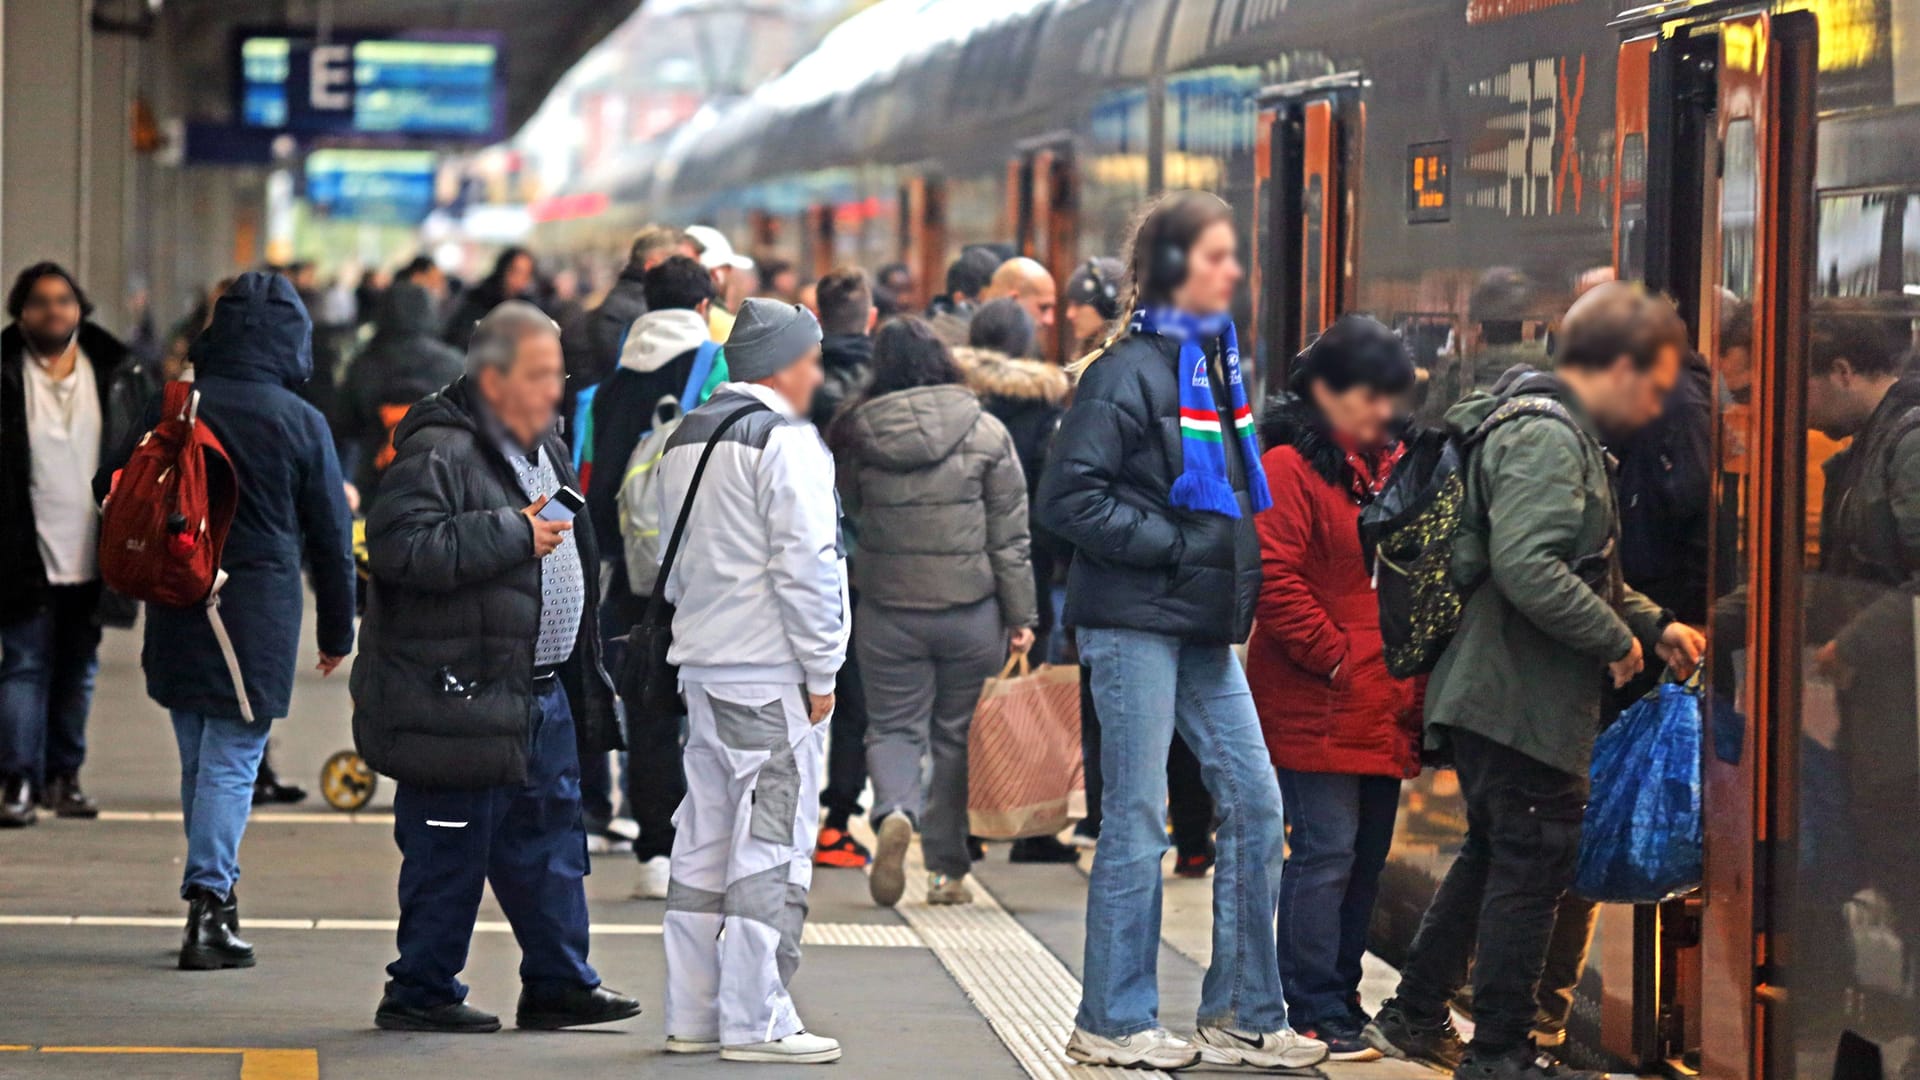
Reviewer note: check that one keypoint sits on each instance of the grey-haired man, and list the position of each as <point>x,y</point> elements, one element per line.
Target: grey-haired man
<point>479,685</point>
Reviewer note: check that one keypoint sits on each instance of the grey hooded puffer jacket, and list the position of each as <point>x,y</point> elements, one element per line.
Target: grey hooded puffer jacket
<point>935,488</point>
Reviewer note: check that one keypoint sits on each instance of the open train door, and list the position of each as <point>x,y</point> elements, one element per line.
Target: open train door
<point>1307,139</point>
<point>1715,145</point>
<point>1043,207</point>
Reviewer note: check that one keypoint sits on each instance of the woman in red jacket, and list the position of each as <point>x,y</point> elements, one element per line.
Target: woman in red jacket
<point>1342,731</point>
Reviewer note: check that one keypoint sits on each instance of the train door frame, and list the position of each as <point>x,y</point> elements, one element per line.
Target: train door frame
<point>923,233</point>
<point>1303,255</point>
<point>1043,194</point>
<point>817,233</point>
<point>1711,69</point>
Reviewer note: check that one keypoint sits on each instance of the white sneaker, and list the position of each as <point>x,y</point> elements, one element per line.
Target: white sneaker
<point>1283,1049</point>
<point>942,889</point>
<point>624,828</point>
<point>799,1048</point>
<point>1154,1049</point>
<point>655,873</point>
<point>686,1044</point>
<point>887,876</point>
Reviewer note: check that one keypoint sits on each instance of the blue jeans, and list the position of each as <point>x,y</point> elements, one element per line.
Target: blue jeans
<point>47,665</point>
<point>219,758</point>
<point>1146,686</point>
<point>1340,827</point>
<point>525,839</point>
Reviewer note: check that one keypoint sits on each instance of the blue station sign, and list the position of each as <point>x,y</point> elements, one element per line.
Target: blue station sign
<point>437,85</point>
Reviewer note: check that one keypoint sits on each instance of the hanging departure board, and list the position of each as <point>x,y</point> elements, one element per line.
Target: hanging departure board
<point>436,85</point>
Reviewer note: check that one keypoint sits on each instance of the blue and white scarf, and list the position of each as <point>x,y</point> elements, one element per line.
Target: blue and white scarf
<point>1203,484</point>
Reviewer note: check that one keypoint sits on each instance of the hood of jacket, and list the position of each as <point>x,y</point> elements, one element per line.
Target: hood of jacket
<point>452,406</point>
<point>1290,421</point>
<point>659,336</point>
<point>261,332</point>
<point>992,373</point>
<point>406,310</point>
<point>911,429</point>
<point>1467,413</point>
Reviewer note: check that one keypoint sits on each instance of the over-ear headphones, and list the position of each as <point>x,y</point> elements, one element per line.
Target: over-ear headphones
<point>1168,268</point>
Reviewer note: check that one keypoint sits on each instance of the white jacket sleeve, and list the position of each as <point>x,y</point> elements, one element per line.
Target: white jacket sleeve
<point>797,504</point>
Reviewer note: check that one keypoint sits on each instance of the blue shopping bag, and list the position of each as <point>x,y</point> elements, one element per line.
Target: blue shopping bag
<point>1641,841</point>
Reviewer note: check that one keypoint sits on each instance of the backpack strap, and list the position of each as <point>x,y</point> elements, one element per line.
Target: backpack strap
<point>703,356</point>
<point>657,603</point>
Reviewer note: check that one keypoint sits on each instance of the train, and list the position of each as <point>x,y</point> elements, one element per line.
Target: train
<point>1749,158</point>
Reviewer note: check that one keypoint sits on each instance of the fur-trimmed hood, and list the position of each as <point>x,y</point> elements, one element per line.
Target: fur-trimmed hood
<point>1290,421</point>
<point>993,374</point>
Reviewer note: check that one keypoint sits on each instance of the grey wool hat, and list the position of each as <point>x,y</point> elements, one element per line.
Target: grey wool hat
<point>767,336</point>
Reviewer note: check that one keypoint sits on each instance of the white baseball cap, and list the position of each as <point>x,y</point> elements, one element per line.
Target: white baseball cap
<point>715,251</point>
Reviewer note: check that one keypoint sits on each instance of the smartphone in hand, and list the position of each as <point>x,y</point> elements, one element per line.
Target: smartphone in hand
<point>562,505</point>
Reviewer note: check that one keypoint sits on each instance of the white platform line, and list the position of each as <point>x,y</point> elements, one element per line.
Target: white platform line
<point>271,817</point>
<point>1025,993</point>
<point>824,935</point>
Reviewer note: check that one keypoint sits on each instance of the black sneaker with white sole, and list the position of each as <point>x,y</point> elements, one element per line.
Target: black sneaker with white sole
<point>1398,1034</point>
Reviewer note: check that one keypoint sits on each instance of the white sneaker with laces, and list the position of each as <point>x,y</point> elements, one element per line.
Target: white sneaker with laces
<point>687,1044</point>
<point>1283,1049</point>
<point>655,873</point>
<point>799,1048</point>
<point>1156,1048</point>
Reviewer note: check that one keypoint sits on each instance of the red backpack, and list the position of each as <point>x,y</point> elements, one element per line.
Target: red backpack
<point>166,518</point>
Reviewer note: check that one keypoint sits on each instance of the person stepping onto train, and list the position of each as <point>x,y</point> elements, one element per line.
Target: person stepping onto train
<point>1155,479</point>
<point>1342,730</point>
<point>759,633</point>
<point>1516,696</point>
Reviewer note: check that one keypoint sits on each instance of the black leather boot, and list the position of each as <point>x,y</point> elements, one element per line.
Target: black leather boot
<point>16,803</point>
<point>66,799</point>
<point>210,943</point>
<point>230,911</point>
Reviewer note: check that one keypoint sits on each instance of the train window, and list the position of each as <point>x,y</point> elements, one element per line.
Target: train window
<point>1739,203</point>
<point>1313,203</point>
<point>1870,244</point>
<point>1429,183</point>
<point>1633,207</point>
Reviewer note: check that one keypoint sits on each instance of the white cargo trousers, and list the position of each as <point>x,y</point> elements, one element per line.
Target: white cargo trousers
<point>742,862</point>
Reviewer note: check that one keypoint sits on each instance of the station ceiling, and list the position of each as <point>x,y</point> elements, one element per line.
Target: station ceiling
<point>543,37</point>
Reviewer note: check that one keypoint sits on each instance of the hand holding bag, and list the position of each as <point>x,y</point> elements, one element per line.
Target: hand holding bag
<point>1023,752</point>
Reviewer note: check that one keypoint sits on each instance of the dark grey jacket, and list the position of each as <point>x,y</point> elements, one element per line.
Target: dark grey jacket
<point>935,488</point>
<point>455,603</point>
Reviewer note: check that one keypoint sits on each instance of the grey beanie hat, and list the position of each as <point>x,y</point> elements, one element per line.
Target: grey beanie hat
<point>767,336</point>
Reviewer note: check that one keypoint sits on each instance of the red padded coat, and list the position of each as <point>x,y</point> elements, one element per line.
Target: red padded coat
<point>1319,679</point>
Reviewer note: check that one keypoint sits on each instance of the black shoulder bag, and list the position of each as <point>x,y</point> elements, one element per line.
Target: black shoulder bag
<point>648,683</point>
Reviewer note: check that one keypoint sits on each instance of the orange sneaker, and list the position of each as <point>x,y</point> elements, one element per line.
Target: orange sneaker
<point>838,848</point>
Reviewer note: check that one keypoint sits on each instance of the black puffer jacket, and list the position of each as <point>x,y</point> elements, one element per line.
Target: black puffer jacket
<point>456,602</point>
<point>1140,563</point>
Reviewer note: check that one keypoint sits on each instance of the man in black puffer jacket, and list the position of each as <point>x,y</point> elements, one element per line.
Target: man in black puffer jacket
<point>480,687</point>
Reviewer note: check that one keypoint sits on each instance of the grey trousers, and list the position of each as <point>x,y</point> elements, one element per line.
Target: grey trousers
<point>923,671</point>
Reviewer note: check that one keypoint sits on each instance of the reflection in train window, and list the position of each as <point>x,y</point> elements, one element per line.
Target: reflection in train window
<point>1739,202</point>
<point>1870,243</point>
<point>1633,207</point>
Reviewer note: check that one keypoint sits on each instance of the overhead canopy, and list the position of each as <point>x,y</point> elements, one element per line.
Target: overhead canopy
<point>543,37</point>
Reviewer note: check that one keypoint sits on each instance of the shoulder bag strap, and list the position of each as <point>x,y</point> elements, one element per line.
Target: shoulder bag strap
<point>658,601</point>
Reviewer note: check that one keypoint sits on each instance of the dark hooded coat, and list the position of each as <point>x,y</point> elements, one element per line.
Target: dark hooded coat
<point>248,368</point>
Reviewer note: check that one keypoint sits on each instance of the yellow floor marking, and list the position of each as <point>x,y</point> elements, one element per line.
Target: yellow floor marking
<point>255,1064</point>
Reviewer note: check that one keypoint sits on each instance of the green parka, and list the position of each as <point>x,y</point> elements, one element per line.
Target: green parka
<point>1537,558</point>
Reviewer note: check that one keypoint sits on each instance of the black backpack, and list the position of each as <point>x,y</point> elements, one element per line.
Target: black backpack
<point>1408,531</point>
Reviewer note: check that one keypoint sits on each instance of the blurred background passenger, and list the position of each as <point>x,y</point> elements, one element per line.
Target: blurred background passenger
<point>715,252</point>
<point>967,278</point>
<point>515,276</point>
<point>403,362</point>
<point>1092,301</point>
